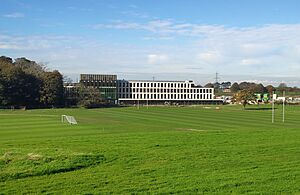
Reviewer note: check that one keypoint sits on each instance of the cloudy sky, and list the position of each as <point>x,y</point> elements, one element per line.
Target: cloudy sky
<point>257,40</point>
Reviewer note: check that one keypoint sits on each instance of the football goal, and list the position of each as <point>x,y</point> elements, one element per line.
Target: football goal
<point>69,119</point>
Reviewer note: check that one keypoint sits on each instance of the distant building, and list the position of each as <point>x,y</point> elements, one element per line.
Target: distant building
<point>225,87</point>
<point>262,97</point>
<point>227,90</point>
<point>107,84</point>
<point>71,93</point>
<point>155,92</point>
<point>145,91</point>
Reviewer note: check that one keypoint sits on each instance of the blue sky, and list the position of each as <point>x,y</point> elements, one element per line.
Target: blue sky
<point>242,40</point>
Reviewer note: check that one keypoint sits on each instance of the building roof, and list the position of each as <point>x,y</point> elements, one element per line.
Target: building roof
<point>163,81</point>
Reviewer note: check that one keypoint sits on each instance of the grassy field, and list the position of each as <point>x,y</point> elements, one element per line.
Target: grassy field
<point>184,150</point>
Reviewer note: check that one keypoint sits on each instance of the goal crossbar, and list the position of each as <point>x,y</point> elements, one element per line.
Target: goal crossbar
<point>69,119</point>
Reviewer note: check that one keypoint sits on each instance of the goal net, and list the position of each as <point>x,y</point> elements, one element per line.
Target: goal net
<point>69,119</point>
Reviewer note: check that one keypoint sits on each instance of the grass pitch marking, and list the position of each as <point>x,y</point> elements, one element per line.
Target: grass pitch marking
<point>184,129</point>
<point>37,115</point>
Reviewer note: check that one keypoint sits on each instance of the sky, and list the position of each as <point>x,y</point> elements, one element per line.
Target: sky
<point>250,40</point>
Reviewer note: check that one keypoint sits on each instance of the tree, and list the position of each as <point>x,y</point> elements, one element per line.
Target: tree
<point>89,97</point>
<point>30,67</point>
<point>246,85</point>
<point>52,89</point>
<point>31,87</point>
<point>4,59</point>
<point>244,96</point>
<point>225,85</point>
<point>259,88</point>
<point>5,64</point>
<point>234,87</point>
<point>2,89</point>
<point>270,89</point>
<point>26,83</point>
<point>13,88</point>
<point>209,85</point>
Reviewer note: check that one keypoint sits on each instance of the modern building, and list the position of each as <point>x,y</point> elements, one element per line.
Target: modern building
<point>71,93</point>
<point>144,91</point>
<point>107,84</point>
<point>168,92</point>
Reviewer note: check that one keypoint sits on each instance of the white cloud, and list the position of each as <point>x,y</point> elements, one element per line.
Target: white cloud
<point>14,15</point>
<point>35,43</point>
<point>157,58</point>
<point>9,46</point>
<point>261,50</point>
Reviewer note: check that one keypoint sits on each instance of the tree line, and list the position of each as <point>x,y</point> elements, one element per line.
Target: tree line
<point>260,88</point>
<point>254,87</point>
<point>25,83</point>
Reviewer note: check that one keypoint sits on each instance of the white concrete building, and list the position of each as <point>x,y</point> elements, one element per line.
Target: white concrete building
<point>132,91</point>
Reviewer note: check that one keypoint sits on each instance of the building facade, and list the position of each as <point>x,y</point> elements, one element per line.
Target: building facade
<point>142,91</point>
<point>106,84</point>
<point>113,90</point>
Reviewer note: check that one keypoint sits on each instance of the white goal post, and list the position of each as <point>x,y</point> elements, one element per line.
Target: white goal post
<point>69,119</point>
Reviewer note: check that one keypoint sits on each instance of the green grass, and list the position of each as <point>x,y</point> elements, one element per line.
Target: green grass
<point>163,150</point>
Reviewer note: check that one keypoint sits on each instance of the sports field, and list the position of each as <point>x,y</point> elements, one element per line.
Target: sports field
<point>183,150</point>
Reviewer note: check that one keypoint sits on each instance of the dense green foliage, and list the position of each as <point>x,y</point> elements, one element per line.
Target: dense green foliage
<point>89,97</point>
<point>52,89</point>
<point>244,97</point>
<point>26,83</point>
<point>156,150</point>
<point>234,87</point>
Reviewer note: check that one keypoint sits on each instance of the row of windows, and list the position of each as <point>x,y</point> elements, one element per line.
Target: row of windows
<point>99,84</point>
<point>99,81</point>
<point>126,84</point>
<point>94,77</point>
<point>166,96</point>
<point>144,90</point>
